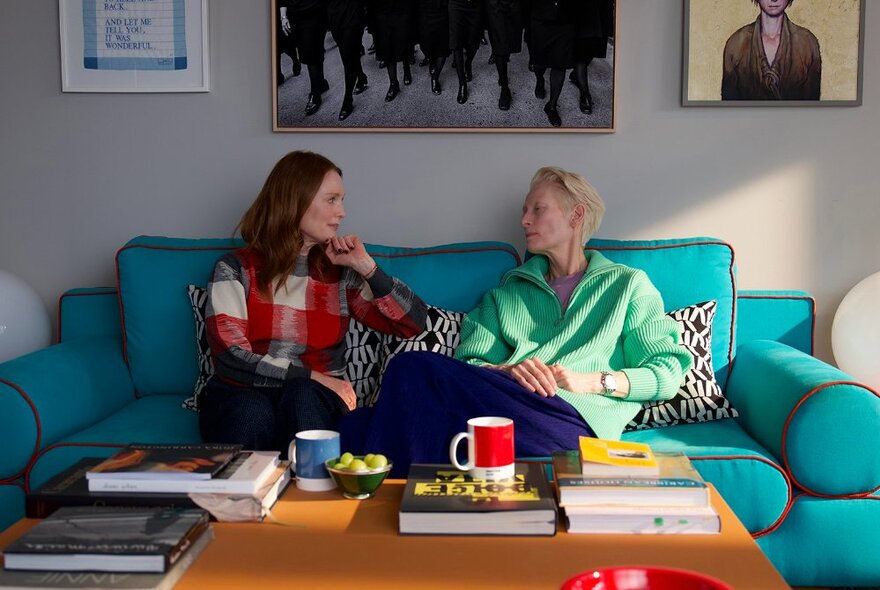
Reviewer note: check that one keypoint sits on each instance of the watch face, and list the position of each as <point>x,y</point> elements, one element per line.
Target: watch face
<point>609,382</point>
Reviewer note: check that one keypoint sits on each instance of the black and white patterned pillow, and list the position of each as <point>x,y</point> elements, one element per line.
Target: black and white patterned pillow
<point>699,398</point>
<point>442,335</point>
<point>361,355</point>
<point>198,298</point>
<point>362,347</point>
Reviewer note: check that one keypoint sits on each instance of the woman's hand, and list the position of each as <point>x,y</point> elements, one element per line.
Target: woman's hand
<point>534,375</point>
<point>349,251</point>
<point>340,387</point>
<point>576,382</point>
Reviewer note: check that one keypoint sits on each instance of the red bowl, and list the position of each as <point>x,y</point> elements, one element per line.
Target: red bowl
<point>643,578</point>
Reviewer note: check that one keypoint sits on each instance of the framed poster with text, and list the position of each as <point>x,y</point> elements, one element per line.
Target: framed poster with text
<point>134,45</point>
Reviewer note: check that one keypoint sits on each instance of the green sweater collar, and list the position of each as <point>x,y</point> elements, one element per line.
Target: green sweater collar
<point>535,268</point>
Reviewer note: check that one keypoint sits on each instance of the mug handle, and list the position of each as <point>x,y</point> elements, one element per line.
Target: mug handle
<point>453,447</point>
<point>291,455</point>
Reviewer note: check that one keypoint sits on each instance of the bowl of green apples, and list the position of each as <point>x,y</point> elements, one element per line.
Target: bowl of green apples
<point>359,476</point>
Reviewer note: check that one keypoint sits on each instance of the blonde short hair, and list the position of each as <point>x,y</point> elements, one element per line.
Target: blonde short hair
<point>575,190</point>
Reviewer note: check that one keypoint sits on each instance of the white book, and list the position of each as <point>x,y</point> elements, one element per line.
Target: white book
<point>246,507</point>
<point>244,475</point>
<point>651,520</point>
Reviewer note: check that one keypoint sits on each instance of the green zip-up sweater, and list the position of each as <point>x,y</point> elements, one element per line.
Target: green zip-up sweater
<point>614,322</point>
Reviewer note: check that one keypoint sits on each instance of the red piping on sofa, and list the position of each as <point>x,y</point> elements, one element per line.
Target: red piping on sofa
<point>36,421</point>
<point>809,394</point>
<point>775,524</point>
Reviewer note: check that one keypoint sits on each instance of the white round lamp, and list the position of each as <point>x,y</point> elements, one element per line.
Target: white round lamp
<point>855,333</point>
<point>24,321</point>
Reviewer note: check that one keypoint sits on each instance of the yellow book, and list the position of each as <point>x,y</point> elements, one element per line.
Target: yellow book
<point>615,458</point>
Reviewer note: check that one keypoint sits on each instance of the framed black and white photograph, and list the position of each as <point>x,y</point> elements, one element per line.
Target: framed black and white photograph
<point>134,45</point>
<point>443,65</point>
<point>773,52</point>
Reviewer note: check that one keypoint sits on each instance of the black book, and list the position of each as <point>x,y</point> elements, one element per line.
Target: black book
<point>46,580</point>
<point>79,538</point>
<point>441,500</point>
<point>70,488</point>
<point>165,461</point>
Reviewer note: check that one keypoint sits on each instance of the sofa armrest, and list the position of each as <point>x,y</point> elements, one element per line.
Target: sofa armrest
<point>56,391</point>
<point>815,418</point>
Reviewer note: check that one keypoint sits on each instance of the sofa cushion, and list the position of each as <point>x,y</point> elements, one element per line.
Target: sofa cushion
<point>157,318</point>
<point>153,273</point>
<point>153,419</point>
<point>699,399</point>
<point>685,272</point>
<point>745,474</point>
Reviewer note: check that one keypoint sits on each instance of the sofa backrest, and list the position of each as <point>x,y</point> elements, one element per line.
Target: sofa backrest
<point>158,328</point>
<point>687,271</point>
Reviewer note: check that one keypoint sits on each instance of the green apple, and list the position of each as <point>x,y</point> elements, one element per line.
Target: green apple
<point>368,458</point>
<point>339,465</point>
<point>357,465</point>
<point>346,459</point>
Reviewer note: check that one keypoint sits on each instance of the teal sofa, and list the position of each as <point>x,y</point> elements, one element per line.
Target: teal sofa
<point>798,466</point>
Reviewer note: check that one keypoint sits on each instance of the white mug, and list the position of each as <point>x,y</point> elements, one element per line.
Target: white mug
<point>307,453</point>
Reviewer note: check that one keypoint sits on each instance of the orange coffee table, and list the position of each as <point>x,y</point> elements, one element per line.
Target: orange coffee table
<point>339,543</point>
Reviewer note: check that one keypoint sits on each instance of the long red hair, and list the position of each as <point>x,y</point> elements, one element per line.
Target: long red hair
<point>270,226</point>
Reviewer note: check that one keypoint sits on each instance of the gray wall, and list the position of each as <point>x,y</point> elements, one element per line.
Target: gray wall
<point>793,189</point>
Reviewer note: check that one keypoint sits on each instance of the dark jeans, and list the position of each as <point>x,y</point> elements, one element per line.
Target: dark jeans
<point>427,398</point>
<point>266,418</point>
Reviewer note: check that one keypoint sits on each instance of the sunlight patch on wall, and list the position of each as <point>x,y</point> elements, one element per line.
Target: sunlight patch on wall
<point>770,221</point>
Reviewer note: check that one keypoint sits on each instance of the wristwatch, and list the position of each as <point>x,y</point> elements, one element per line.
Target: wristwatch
<point>609,383</point>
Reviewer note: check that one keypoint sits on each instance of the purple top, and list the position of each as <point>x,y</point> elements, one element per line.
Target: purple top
<point>564,286</point>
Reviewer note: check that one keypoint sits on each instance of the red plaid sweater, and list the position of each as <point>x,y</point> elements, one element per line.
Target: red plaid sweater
<point>262,342</point>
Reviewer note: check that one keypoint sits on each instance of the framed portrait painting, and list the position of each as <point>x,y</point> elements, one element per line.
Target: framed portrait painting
<point>443,65</point>
<point>773,52</point>
<point>134,45</point>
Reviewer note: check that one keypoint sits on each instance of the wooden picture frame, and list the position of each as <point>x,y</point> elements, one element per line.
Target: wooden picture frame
<point>134,46</point>
<point>417,107</point>
<point>726,61</point>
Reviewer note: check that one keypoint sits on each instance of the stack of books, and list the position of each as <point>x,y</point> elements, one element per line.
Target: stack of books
<point>88,547</point>
<point>441,500</point>
<point>231,483</point>
<point>661,494</point>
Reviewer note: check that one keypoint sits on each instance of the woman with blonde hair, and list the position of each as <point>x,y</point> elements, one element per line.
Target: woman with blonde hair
<point>569,344</point>
<point>278,310</point>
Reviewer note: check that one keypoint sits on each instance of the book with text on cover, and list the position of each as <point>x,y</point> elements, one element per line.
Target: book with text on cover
<point>81,538</point>
<point>441,500</point>
<point>47,580</point>
<point>641,520</point>
<point>678,484</point>
<point>246,507</point>
<point>610,458</point>
<point>165,461</point>
<point>70,488</point>
<point>244,475</point>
